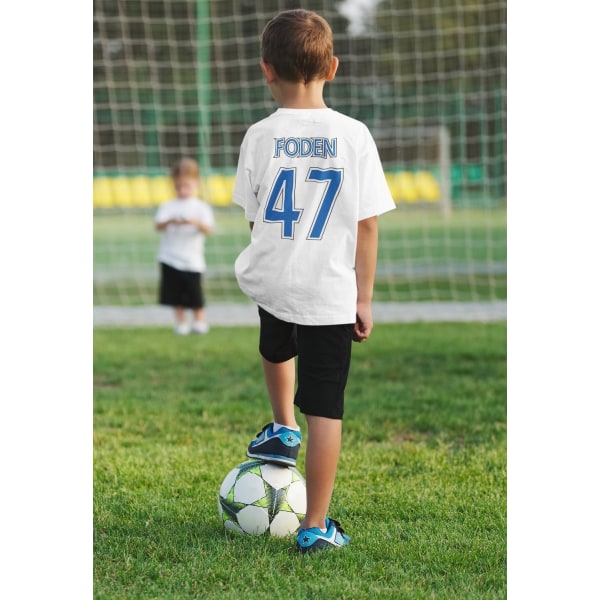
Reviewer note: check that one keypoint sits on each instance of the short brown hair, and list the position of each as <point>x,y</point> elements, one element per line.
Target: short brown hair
<point>185,167</point>
<point>299,45</point>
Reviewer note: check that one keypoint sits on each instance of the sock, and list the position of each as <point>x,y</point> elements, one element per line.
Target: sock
<point>278,426</point>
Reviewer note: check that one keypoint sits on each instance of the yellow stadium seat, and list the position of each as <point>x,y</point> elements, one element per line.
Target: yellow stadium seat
<point>427,186</point>
<point>407,189</point>
<point>140,191</point>
<point>102,192</point>
<point>161,189</point>
<point>121,191</point>
<point>218,190</point>
<point>229,185</point>
<point>392,182</point>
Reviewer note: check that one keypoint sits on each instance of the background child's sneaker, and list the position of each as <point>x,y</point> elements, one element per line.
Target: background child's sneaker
<point>182,329</point>
<point>280,447</point>
<point>313,538</point>
<point>200,327</point>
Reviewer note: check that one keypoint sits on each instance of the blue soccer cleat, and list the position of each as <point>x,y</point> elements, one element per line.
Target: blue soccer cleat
<point>280,447</point>
<point>308,540</point>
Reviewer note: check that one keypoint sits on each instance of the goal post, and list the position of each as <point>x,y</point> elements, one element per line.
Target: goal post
<point>445,176</point>
<point>204,83</point>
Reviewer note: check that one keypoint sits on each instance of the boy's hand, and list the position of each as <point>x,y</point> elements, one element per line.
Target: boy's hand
<point>364,322</point>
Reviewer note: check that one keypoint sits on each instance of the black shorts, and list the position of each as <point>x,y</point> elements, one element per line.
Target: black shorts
<point>180,288</point>
<point>323,361</point>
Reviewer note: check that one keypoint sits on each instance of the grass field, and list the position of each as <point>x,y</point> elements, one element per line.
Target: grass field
<point>421,485</point>
<point>422,256</point>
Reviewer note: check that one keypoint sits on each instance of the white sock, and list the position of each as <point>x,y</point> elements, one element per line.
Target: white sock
<point>278,426</point>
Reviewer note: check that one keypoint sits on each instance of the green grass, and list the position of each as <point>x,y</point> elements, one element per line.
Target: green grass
<point>422,256</point>
<point>421,484</point>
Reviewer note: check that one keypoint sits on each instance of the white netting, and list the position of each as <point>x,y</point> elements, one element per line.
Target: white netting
<point>175,78</point>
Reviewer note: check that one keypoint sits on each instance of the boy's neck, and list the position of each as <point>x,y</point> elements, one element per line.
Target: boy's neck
<point>298,95</point>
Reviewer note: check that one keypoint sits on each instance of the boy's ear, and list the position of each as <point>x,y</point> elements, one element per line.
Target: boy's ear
<point>335,63</point>
<point>268,71</point>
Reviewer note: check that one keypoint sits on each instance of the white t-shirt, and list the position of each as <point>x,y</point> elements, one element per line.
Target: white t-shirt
<point>305,178</point>
<point>182,246</point>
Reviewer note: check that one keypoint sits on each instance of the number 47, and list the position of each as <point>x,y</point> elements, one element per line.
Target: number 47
<point>288,215</point>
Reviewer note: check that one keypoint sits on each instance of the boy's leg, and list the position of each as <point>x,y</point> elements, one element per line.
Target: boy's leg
<point>172,293</point>
<point>181,326</point>
<point>279,442</point>
<point>278,348</point>
<point>280,379</point>
<point>324,354</point>
<point>322,454</point>
<point>179,314</point>
<point>195,295</point>
<point>199,325</point>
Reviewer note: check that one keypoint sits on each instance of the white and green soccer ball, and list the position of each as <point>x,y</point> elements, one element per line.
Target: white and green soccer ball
<point>258,497</point>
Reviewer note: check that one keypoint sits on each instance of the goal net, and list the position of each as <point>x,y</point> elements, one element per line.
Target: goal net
<point>177,78</point>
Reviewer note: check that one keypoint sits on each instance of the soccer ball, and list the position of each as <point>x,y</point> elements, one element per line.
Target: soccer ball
<point>256,497</point>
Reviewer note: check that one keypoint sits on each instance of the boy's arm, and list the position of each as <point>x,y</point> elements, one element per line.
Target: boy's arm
<point>204,221</point>
<point>163,218</point>
<point>201,225</point>
<point>365,264</point>
<point>162,225</point>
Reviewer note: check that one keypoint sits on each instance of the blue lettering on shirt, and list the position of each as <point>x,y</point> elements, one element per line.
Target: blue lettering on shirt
<point>294,147</point>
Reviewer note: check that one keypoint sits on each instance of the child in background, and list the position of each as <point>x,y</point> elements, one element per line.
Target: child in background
<point>184,222</point>
<point>312,185</point>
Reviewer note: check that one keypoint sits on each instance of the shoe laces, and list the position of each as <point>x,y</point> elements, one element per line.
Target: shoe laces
<point>265,427</point>
<point>336,525</point>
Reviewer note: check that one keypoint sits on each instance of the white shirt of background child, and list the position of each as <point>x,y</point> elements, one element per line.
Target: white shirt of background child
<point>182,246</point>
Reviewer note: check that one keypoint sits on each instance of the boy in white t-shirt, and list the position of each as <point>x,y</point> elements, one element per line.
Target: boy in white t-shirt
<point>184,223</point>
<point>311,183</point>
